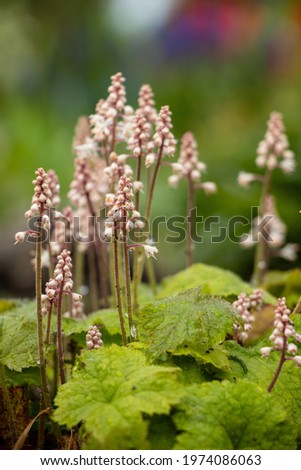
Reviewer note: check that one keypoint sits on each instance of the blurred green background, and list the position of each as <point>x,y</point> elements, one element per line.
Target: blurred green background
<point>222,66</point>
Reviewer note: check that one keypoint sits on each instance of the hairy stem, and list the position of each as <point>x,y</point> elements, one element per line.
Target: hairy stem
<point>150,196</point>
<point>48,326</point>
<point>117,288</point>
<point>60,349</point>
<point>151,275</point>
<point>297,309</point>
<point>262,248</point>
<point>280,365</point>
<point>93,287</point>
<point>101,258</point>
<point>79,266</point>
<point>191,197</point>
<point>127,274</point>
<point>38,288</point>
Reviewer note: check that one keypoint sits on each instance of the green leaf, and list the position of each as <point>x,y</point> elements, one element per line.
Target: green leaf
<point>19,343</point>
<point>188,324</point>
<point>214,280</point>
<point>111,391</point>
<point>233,416</point>
<point>261,371</point>
<point>107,319</point>
<point>29,376</point>
<point>18,339</point>
<point>284,284</point>
<point>6,305</point>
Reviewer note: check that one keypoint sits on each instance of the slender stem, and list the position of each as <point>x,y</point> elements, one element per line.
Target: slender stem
<point>117,288</point>
<point>48,327</point>
<point>112,271</point>
<point>151,275</point>
<point>150,194</point>
<point>8,407</point>
<point>262,248</point>
<point>78,269</point>
<point>38,288</point>
<point>191,197</point>
<point>140,254</point>
<point>101,258</point>
<point>92,279</point>
<point>127,274</point>
<point>280,365</point>
<point>51,266</point>
<point>297,309</point>
<point>136,252</point>
<point>138,178</point>
<point>60,349</point>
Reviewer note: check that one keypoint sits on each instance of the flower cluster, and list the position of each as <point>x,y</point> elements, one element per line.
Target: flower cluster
<point>273,151</point>
<point>63,230</point>
<point>77,311</point>
<point>40,205</point>
<point>88,185</point>
<point>117,168</point>
<point>284,334</point>
<point>140,137</point>
<point>63,272</point>
<point>61,283</point>
<point>54,187</point>
<point>122,209</point>
<point>105,126</point>
<point>93,338</point>
<point>189,166</point>
<point>246,305</point>
<point>49,299</point>
<point>163,138</point>
<point>275,231</point>
<point>147,104</point>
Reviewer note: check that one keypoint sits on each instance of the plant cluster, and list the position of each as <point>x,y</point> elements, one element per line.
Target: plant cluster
<point>114,363</point>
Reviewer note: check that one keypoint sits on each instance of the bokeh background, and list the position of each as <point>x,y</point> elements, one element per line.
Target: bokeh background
<point>221,65</point>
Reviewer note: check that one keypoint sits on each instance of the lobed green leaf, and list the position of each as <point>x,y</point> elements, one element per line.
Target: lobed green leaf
<point>189,323</point>
<point>111,391</point>
<point>214,280</point>
<point>233,416</point>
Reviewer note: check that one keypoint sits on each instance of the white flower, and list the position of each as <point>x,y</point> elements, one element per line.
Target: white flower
<point>292,348</point>
<point>244,179</point>
<point>138,186</point>
<point>87,149</point>
<point>289,252</point>
<point>149,160</point>
<point>139,224</point>
<point>150,251</point>
<point>209,187</point>
<point>109,199</point>
<point>260,161</point>
<point>287,166</point>
<point>76,297</point>
<point>247,240</point>
<point>122,158</point>
<point>297,360</point>
<point>195,175</point>
<point>265,352</point>
<point>173,180</point>
<point>177,167</point>
<point>45,261</point>
<point>108,233</point>
<point>20,237</point>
